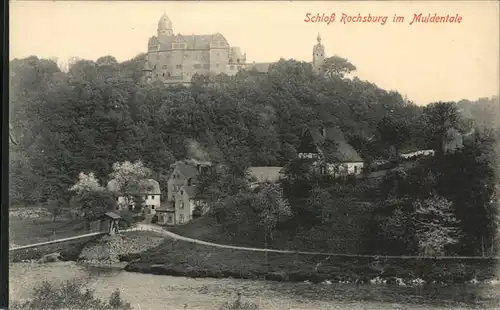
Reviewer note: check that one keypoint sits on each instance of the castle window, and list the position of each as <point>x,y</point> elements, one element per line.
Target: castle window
<point>232,67</point>
<point>197,66</point>
<point>230,60</point>
<point>218,54</point>
<point>178,66</point>
<point>206,66</point>
<point>217,65</point>
<point>238,60</point>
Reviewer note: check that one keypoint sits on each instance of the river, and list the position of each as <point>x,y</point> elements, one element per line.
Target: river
<point>145,291</point>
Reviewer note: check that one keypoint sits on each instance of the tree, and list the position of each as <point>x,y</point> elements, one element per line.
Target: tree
<point>273,208</point>
<point>90,197</point>
<point>319,204</point>
<point>398,229</point>
<point>439,118</point>
<point>87,183</point>
<point>55,208</point>
<point>435,224</point>
<point>393,132</point>
<point>129,178</point>
<point>337,66</point>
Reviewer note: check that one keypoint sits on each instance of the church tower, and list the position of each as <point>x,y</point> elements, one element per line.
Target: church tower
<point>318,55</point>
<point>165,26</point>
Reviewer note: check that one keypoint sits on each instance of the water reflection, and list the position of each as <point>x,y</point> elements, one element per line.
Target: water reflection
<point>164,292</point>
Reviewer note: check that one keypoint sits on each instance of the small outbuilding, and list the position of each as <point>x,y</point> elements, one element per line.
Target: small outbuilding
<point>109,223</point>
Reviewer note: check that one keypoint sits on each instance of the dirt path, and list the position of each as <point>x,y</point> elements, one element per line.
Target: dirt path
<point>159,229</point>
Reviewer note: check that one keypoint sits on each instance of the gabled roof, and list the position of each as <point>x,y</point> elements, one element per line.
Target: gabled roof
<point>190,191</point>
<point>344,152</point>
<point>187,170</point>
<point>307,143</point>
<point>313,138</point>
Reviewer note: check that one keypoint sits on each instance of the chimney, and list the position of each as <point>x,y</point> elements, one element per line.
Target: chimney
<point>323,131</point>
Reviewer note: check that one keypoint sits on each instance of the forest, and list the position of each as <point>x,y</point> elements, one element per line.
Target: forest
<point>99,113</point>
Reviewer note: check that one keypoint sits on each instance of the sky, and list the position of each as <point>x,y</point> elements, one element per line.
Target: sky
<point>426,62</point>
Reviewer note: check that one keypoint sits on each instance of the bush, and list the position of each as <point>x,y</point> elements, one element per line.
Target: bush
<point>127,220</point>
<point>69,296</point>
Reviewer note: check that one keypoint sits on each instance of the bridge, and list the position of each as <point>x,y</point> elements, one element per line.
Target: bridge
<point>110,220</point>
<point>34,245</point>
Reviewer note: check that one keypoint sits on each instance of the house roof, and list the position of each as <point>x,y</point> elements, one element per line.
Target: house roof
<point>148,187</point>
<point>112,215</point>
<point>263,174</point>
<point>344,152</point>
<point>307,143</point>
<point>313,138</point>
<point>165,207</point>
<point>190,191</point>
<point>187,170</point>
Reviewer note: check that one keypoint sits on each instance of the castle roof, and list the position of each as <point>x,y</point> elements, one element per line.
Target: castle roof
<point>193,41</point>
<point>164,22</point>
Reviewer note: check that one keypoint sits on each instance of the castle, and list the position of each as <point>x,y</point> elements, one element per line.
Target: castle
<point>175,58</point>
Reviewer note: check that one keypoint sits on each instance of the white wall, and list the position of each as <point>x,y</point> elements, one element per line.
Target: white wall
<point>349,168</point>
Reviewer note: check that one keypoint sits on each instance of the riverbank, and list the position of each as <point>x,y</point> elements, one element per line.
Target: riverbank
<point>180,258</point>
<point>148,291</point>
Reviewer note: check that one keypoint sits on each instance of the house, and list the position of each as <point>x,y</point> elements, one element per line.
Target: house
<point>166,214</point>
<point>149,192</point>
<point>188,205</point>
<point>264,174</point>
<point>415,154</point>
<point>182,193</point>
<point>341,159</point>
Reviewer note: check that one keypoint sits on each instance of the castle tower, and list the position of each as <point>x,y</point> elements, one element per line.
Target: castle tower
<point>318,55</point>
<point>147,72</point>
<point>165,26</point>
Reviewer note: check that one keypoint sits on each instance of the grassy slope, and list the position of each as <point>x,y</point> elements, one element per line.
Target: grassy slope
<point>28,231</point>
<point>179,258</point>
